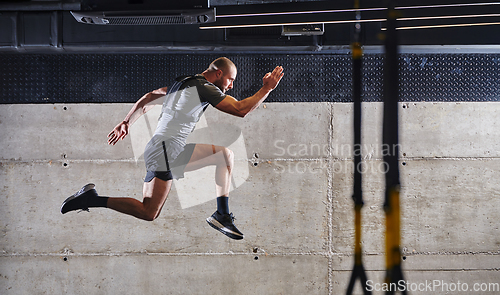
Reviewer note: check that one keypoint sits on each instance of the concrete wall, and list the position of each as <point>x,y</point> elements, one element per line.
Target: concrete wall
<point>291,198</point>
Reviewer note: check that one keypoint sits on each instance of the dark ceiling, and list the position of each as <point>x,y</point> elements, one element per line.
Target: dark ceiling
<point>39,26</point>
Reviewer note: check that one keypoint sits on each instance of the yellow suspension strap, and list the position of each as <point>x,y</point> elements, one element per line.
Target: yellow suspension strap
<point>394,272</point>
<point>357,55</point>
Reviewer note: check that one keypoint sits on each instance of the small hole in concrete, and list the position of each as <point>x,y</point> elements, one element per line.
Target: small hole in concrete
<point>65,164</point>
<point>65,108</point>
<point>255,164</point>
<point>404,154</point>
<point>256,155</point>
<point>255,250</point>
<point>65,258</point>
<point>256,258</point>
<point>404,257</point>
<point>404,163</point>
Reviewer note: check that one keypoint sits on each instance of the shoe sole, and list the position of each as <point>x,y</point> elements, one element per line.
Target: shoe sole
<point>215,224</point>
<point>83,190</point>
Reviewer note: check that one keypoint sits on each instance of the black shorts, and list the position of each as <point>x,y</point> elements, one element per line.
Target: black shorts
<point>177,166</point>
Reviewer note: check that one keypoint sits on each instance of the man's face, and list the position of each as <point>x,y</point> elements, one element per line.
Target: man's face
<point>226,79</point>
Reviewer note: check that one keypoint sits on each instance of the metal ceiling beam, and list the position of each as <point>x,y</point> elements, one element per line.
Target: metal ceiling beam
<point>40,5</point>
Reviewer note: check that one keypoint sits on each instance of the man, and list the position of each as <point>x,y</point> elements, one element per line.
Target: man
<point>167,155</point>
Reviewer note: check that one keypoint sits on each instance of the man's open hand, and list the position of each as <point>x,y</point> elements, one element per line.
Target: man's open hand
<point>271,80</point>
<point>118,133</point>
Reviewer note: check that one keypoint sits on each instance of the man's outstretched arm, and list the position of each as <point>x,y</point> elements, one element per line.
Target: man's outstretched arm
<point>243,107</point>
<point>143,105</point>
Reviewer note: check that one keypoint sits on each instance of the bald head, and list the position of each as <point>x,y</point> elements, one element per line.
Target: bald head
<point>222,63</point>
<point>222,73</point>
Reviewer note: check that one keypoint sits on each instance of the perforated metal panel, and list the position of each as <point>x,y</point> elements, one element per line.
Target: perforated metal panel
<point>450,77</point>
<point>108,78</point>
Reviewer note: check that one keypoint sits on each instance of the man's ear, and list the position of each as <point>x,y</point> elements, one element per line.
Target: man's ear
<point>219,73</point>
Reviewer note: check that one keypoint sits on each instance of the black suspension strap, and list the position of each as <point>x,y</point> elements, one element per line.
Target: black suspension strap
<point>357,59</point>
<point>394,272</point>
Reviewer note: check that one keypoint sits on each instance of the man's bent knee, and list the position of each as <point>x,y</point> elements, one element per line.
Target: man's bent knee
<point>150,212</point>
<point>151,216</point>
<point>228,156</point>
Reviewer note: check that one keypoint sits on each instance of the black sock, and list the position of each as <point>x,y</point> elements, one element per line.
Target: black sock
<point>97,201</point>
<point>222,205</point>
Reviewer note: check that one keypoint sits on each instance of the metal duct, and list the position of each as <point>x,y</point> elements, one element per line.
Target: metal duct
<point>169,17</point>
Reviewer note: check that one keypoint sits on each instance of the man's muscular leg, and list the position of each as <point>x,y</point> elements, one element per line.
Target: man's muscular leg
<point>223,159</point>
<point>209,155</point>
<point>155,194</point>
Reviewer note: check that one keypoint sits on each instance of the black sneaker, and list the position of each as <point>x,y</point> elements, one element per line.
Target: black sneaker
<point>224,224</point>
<point>79,200</point>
